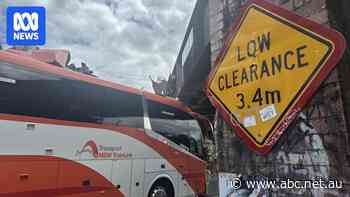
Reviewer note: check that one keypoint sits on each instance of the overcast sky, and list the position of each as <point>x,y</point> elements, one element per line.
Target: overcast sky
<point>124,41</point>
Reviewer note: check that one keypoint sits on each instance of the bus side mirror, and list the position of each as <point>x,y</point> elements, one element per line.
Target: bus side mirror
<point>209,131</point>
<point>206,126</point>
<point>209,140</point>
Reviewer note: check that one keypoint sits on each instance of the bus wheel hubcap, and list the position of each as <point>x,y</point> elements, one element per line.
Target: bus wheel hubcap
<point>159,192</point>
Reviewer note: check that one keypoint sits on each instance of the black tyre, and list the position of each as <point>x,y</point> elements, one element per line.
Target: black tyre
<point>161,188</point>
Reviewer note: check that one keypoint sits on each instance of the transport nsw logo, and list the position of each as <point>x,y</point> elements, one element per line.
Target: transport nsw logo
<point>26,26</point>
<point>101,151</point>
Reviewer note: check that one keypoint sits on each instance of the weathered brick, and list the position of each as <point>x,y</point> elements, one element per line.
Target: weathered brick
<point>320,17</point>
<point>288,5</point>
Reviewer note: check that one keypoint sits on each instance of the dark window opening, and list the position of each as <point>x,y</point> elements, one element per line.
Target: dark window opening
<point>176,125</point>
<point>31,93</point>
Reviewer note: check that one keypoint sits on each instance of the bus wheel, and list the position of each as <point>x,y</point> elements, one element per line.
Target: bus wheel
<point>161,188</point>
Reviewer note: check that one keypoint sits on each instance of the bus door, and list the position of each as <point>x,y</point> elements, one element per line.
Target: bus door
<point>138,172</point>
<point>122,175</point>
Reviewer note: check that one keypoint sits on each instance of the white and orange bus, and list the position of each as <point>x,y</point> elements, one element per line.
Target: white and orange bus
<point>68,134</point>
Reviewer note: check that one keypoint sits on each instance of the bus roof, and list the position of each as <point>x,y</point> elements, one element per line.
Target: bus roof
<point>31,63</point>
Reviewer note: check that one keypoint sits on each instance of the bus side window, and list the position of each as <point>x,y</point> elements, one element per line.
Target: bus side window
<point>30,93</point>
<point>102,105</point>
<point>176,125</point>
<point>39,94</point>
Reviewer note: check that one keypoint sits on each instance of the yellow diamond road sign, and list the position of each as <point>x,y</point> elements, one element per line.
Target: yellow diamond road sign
<point>272,64</point>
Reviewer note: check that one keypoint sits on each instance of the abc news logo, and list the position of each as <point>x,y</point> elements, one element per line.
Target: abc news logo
<point>26,25</point>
